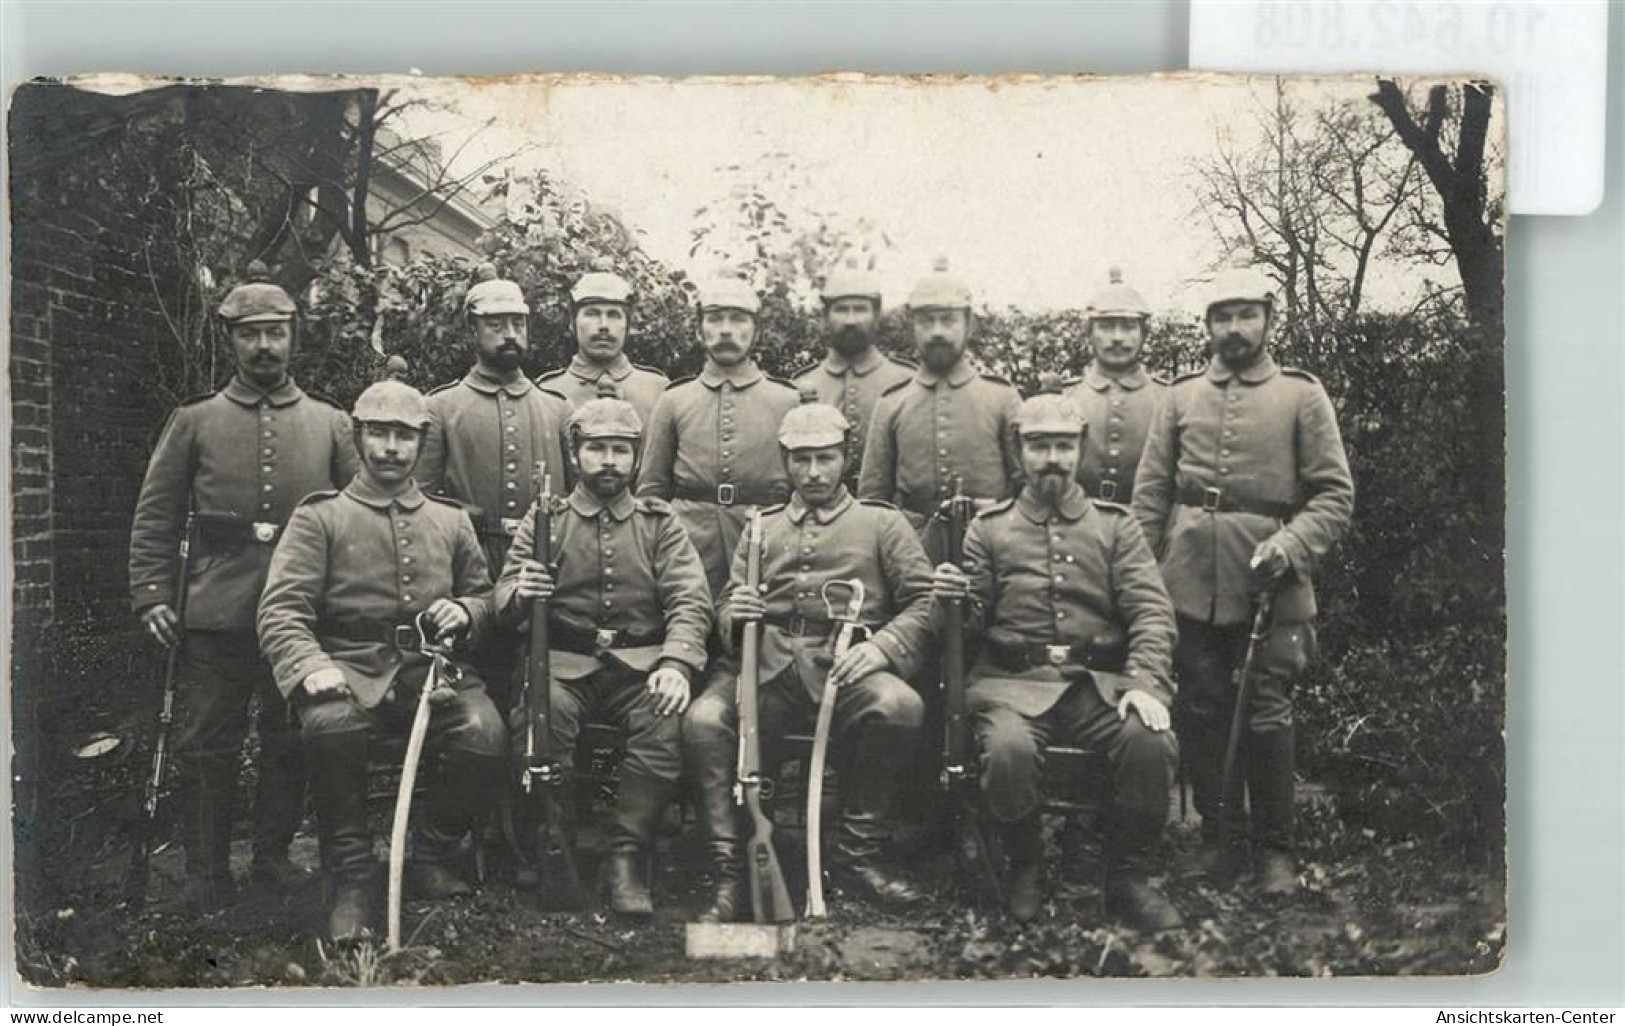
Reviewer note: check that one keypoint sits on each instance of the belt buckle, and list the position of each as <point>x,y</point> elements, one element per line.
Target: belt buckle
<point>725,494</point>
<point>407,637</point>
<point>1211,498</point>
<point>796,626</point>
<point>510,525</point>
<point>264,533</point>
<point>1108,491</point>
<point>1057,655</point>
<point>604,639</point>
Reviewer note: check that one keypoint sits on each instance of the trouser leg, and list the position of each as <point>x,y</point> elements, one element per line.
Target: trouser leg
<point>279,804</point>
<point>878,721</point>
<point>337,736</point>
<point>469,739</point>
<point>1205,660</point>
<point>649,775</point>
<point>214,721</point>
<point>710,748</point>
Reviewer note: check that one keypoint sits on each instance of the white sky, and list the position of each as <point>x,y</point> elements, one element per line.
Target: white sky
<point>1032,188</point>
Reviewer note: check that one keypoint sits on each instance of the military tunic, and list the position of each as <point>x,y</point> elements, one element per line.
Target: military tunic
<point>578,382</point>
<point>629,594</point>
<point>1118,410</point>
<point>930,429</point>
<point>853,387</point>
<point>1072,613</point>
<point>709,452</point>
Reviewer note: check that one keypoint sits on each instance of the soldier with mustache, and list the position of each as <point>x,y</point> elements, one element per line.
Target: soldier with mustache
<point>240,458</point>
<point>488,431</point>
<point>706,453</point>
<point>601,316</point>
<point>1243,486</point>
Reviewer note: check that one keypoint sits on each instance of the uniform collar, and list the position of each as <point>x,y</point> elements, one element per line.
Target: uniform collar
<point>798,510</point>
<point>362,490</point>
<point>1074,504</point>
<point>962,372</point>
<point>586,370</point>
<point>1262,369</point>
<point>1099,380</point>
<point>240,391</point>
<point>589,505</point>
<point>740,376</point>
<point>479,382</point>
<point>837,365</point>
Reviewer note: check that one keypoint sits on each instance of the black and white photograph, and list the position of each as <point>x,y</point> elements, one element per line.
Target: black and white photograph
<point>596,529</point>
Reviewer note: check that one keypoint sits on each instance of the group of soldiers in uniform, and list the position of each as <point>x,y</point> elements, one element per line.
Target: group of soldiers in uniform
<point>1125,530</point>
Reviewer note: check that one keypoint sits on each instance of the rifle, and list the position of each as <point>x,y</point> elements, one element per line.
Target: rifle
<point>542,776</point>
<point>141,851</point>
<point>1238,716</point>
<point>959,778</point>
<point>850,622</point>
<point>442,673</point>
<point>769,896</point>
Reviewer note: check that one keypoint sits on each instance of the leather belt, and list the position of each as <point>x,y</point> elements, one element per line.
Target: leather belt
<point>370,633</point>
<point>1020,658</point>
<point>729,494</point>
<point>1217,500</point>
<point>230,531</point>
<point>503,530</point>
<point>570,637</point>
<point>798,626</point>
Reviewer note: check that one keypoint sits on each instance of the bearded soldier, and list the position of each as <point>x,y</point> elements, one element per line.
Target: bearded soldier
<point>240,458</point>
<point>949,422</point>
<point>1115,395</point>
<point>1077,632</point>
<point>488,431</point>
<point>352,567</point>
<point>823,534</point>
<point>705,454</point>
<point>601,312</point>
<point>1243,487</point>
<point>628,616</point>
<point>854,373</point>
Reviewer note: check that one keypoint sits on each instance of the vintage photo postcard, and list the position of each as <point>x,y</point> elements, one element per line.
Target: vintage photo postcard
<point>585,529</point>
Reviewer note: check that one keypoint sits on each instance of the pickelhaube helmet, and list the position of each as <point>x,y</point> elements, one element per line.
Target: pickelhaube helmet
<point>257,299</point>
<point>601,287</point>
<point>851,281</point>
<point>492,295</point>
<point>1048,414</point>
<point>1244,282</point>
<point>1118,299</point>
<point>813,425</point>
<point>939,289</point>
<point>392,402</point>
<point>606,418</point>
<point>730,294</point>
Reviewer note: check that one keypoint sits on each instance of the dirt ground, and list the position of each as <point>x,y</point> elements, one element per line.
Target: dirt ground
<point>1367,906</point>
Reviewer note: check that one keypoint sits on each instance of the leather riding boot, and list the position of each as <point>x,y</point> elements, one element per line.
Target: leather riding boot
<point>1024,842</point>
<point>338,778</point>
<point>1080,857</point>
<point>1271,778</point>
<point>869,794</point>
<point>210,793</point>
<point>1131,842</point>
<point>713,767</point>
<point>279,809</point>
<point>467,785</point>
<point>1204,764</point>
<point>639,803</point>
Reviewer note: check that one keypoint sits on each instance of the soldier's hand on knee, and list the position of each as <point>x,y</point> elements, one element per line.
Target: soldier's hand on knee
<point>949,583</point>
<point>1152,712</point>
<point>449,618</point>
<point>859,661</point>
<point>329,681</point>
<point>162,623</point>
<point>535,582</point>
<point>746,606</point>
<point>670,690</point>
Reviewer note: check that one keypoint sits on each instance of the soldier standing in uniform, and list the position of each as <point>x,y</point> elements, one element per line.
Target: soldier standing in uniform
<point>823,534</point>
<point>487,433</point>
<point>628,617</point>
<point>352,566</point>
<point>948,421</point>
<point>704,452</point>
<point>240,458</point>
<point>854,373</point>
<point>1115,395</point>
<point>601,309</point>
<point>1077,634</point>
<point>1244,485</point>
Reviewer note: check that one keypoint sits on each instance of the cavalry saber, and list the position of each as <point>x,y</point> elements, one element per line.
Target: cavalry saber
<point>1238,716</point>
<point>850,622</point>
<point>439,667</point>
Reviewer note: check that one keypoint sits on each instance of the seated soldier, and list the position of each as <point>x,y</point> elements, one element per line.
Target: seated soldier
<point>1077,633</point>
<point>821,535</point>
<point>628,616</point>
<point>351,567</point>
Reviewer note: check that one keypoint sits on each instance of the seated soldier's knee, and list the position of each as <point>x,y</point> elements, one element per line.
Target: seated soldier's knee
<point>710,717</point>
<point>1141,749</point>
<point>892,701</point>
<point>479,729</point>
<point>328,716</point>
